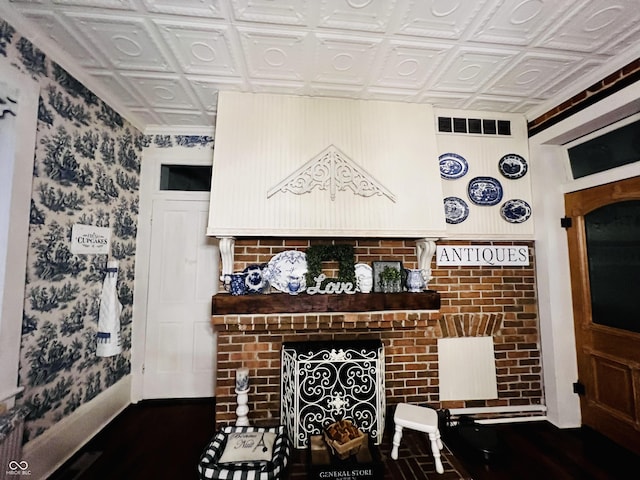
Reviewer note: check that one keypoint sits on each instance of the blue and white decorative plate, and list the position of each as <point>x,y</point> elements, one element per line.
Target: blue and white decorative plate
<point>286,271</point>
<point>452,166</point>
<point>456,210</point>
<point>515,211</point>
<point>513,166</point>
<point>485,191</point>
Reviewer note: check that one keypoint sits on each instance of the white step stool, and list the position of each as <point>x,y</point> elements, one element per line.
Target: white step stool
<point>422,419</point>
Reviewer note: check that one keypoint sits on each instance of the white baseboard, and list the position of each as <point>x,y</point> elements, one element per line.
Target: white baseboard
<point>47,452</point>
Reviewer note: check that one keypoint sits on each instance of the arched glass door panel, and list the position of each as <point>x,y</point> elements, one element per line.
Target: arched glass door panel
<point>613,248</point>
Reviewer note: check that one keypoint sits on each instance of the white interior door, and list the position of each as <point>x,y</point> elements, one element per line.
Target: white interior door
<point>180,346</point>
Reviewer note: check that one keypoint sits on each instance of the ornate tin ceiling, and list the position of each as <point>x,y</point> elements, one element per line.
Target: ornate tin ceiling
<point>160,63</point>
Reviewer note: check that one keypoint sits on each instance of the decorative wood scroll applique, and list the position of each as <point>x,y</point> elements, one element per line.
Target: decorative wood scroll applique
<point>331,170</point>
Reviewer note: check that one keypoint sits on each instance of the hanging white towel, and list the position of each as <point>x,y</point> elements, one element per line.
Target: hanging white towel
<point>108,337</point>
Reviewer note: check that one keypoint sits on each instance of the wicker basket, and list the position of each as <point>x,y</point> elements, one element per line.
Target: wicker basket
<point>344,449</point>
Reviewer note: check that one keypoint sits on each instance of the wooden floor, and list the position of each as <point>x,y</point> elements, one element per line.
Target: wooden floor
<point>163,440</point>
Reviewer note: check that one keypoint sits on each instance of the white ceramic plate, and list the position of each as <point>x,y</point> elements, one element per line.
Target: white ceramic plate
<point>285,266</point>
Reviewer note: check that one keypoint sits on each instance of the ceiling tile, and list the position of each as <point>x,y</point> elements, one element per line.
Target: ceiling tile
<point>61,34</point>
<point>282,87</point>
<point>625,42</point>
<point>170,91</point>
<point>188,118</point>
<point>342,59</point>
<point>592,23</point>
<point>582,70</point>
<point>206,89</point>
<point>113,84</point>
<point>438,18</point>
<point>287,12</point>
<point>145,116</point>
<point>392,94</point>
<point>190,8</point>
<point>119,4</point>
<point>274,54</point>
<point>444,100</point>
<point>492,104</point>
<point>532,73</point>
<point>519,23</point>
<point>339,91</point>
<point>470,69</point>
<point>126,42</point>
<point>362,15</point>
<point>407,64</point>
<point>200,48</point>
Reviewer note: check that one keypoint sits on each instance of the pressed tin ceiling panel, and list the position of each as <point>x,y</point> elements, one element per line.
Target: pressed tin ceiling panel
<point>161,63</point>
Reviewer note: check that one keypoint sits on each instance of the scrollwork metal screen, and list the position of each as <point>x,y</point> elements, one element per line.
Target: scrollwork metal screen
<point>323,382</point>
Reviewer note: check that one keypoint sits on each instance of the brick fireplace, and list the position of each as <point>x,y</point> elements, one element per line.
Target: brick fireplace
<point>473,301</point>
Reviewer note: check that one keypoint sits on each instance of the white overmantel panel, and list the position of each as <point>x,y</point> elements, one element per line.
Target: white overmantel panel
<point>266,143</point>
<point>483,153</point>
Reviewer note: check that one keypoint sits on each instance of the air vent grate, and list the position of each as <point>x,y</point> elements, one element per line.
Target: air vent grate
<point>474,126</point>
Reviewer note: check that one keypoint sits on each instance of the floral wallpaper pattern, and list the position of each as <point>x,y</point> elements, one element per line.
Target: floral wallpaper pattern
<point>86,171</point>
<point>189,141</point>
<point>87,165</point>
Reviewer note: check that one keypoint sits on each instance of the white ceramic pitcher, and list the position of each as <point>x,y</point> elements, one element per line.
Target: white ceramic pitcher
<point>415,280</point>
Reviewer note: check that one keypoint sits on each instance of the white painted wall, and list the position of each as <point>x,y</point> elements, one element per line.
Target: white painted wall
<point>16,161</point>
<point>483,153</point>
<point>551,180</point>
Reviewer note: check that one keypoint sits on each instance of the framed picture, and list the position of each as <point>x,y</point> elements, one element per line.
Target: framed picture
<point>384,280</point>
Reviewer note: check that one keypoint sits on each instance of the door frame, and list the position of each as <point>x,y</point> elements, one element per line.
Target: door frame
<point>17,159</point>
<point>551,179</point>
<point>152,159</point>
<point>590,338</point>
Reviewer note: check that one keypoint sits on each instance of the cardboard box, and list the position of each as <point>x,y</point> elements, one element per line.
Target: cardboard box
<point>364,465</point>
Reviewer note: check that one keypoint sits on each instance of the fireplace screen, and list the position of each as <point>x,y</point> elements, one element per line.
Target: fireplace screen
<point>323,382</point>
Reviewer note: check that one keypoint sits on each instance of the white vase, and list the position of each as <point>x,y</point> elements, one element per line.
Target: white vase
<point>364,277</point>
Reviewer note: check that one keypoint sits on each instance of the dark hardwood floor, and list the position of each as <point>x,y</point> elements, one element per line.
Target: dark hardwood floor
<point>164,439</point>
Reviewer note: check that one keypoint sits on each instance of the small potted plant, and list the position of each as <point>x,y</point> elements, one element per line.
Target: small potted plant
<point>390,279</point>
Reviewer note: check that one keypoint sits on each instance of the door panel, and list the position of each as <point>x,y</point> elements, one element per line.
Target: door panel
<point>180,356</point>
<point>614,383</point>
<point>604,242</point>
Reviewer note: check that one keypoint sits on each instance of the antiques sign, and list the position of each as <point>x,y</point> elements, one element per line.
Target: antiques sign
<point>482,255</point>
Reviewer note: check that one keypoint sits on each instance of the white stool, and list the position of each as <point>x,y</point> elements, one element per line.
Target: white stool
<point>422,419</point>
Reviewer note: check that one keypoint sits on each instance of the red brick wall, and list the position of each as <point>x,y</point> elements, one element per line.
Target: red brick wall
<point>475,301</point>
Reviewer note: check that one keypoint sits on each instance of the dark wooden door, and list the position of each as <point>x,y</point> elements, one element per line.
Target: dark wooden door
<point>604,251</point>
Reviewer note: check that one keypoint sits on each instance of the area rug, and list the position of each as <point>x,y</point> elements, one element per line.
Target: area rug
<point>415,461</point>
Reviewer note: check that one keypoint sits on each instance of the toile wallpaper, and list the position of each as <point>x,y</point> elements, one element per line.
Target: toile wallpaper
<point>87,165</point>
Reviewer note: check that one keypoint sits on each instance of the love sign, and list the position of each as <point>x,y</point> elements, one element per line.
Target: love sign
<point>330,287</point>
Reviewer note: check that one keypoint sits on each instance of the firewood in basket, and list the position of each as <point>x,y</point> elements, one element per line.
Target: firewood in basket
<point>342,431</point>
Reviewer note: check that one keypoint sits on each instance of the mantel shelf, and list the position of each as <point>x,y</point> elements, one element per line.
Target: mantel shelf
<point>226,304</point>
